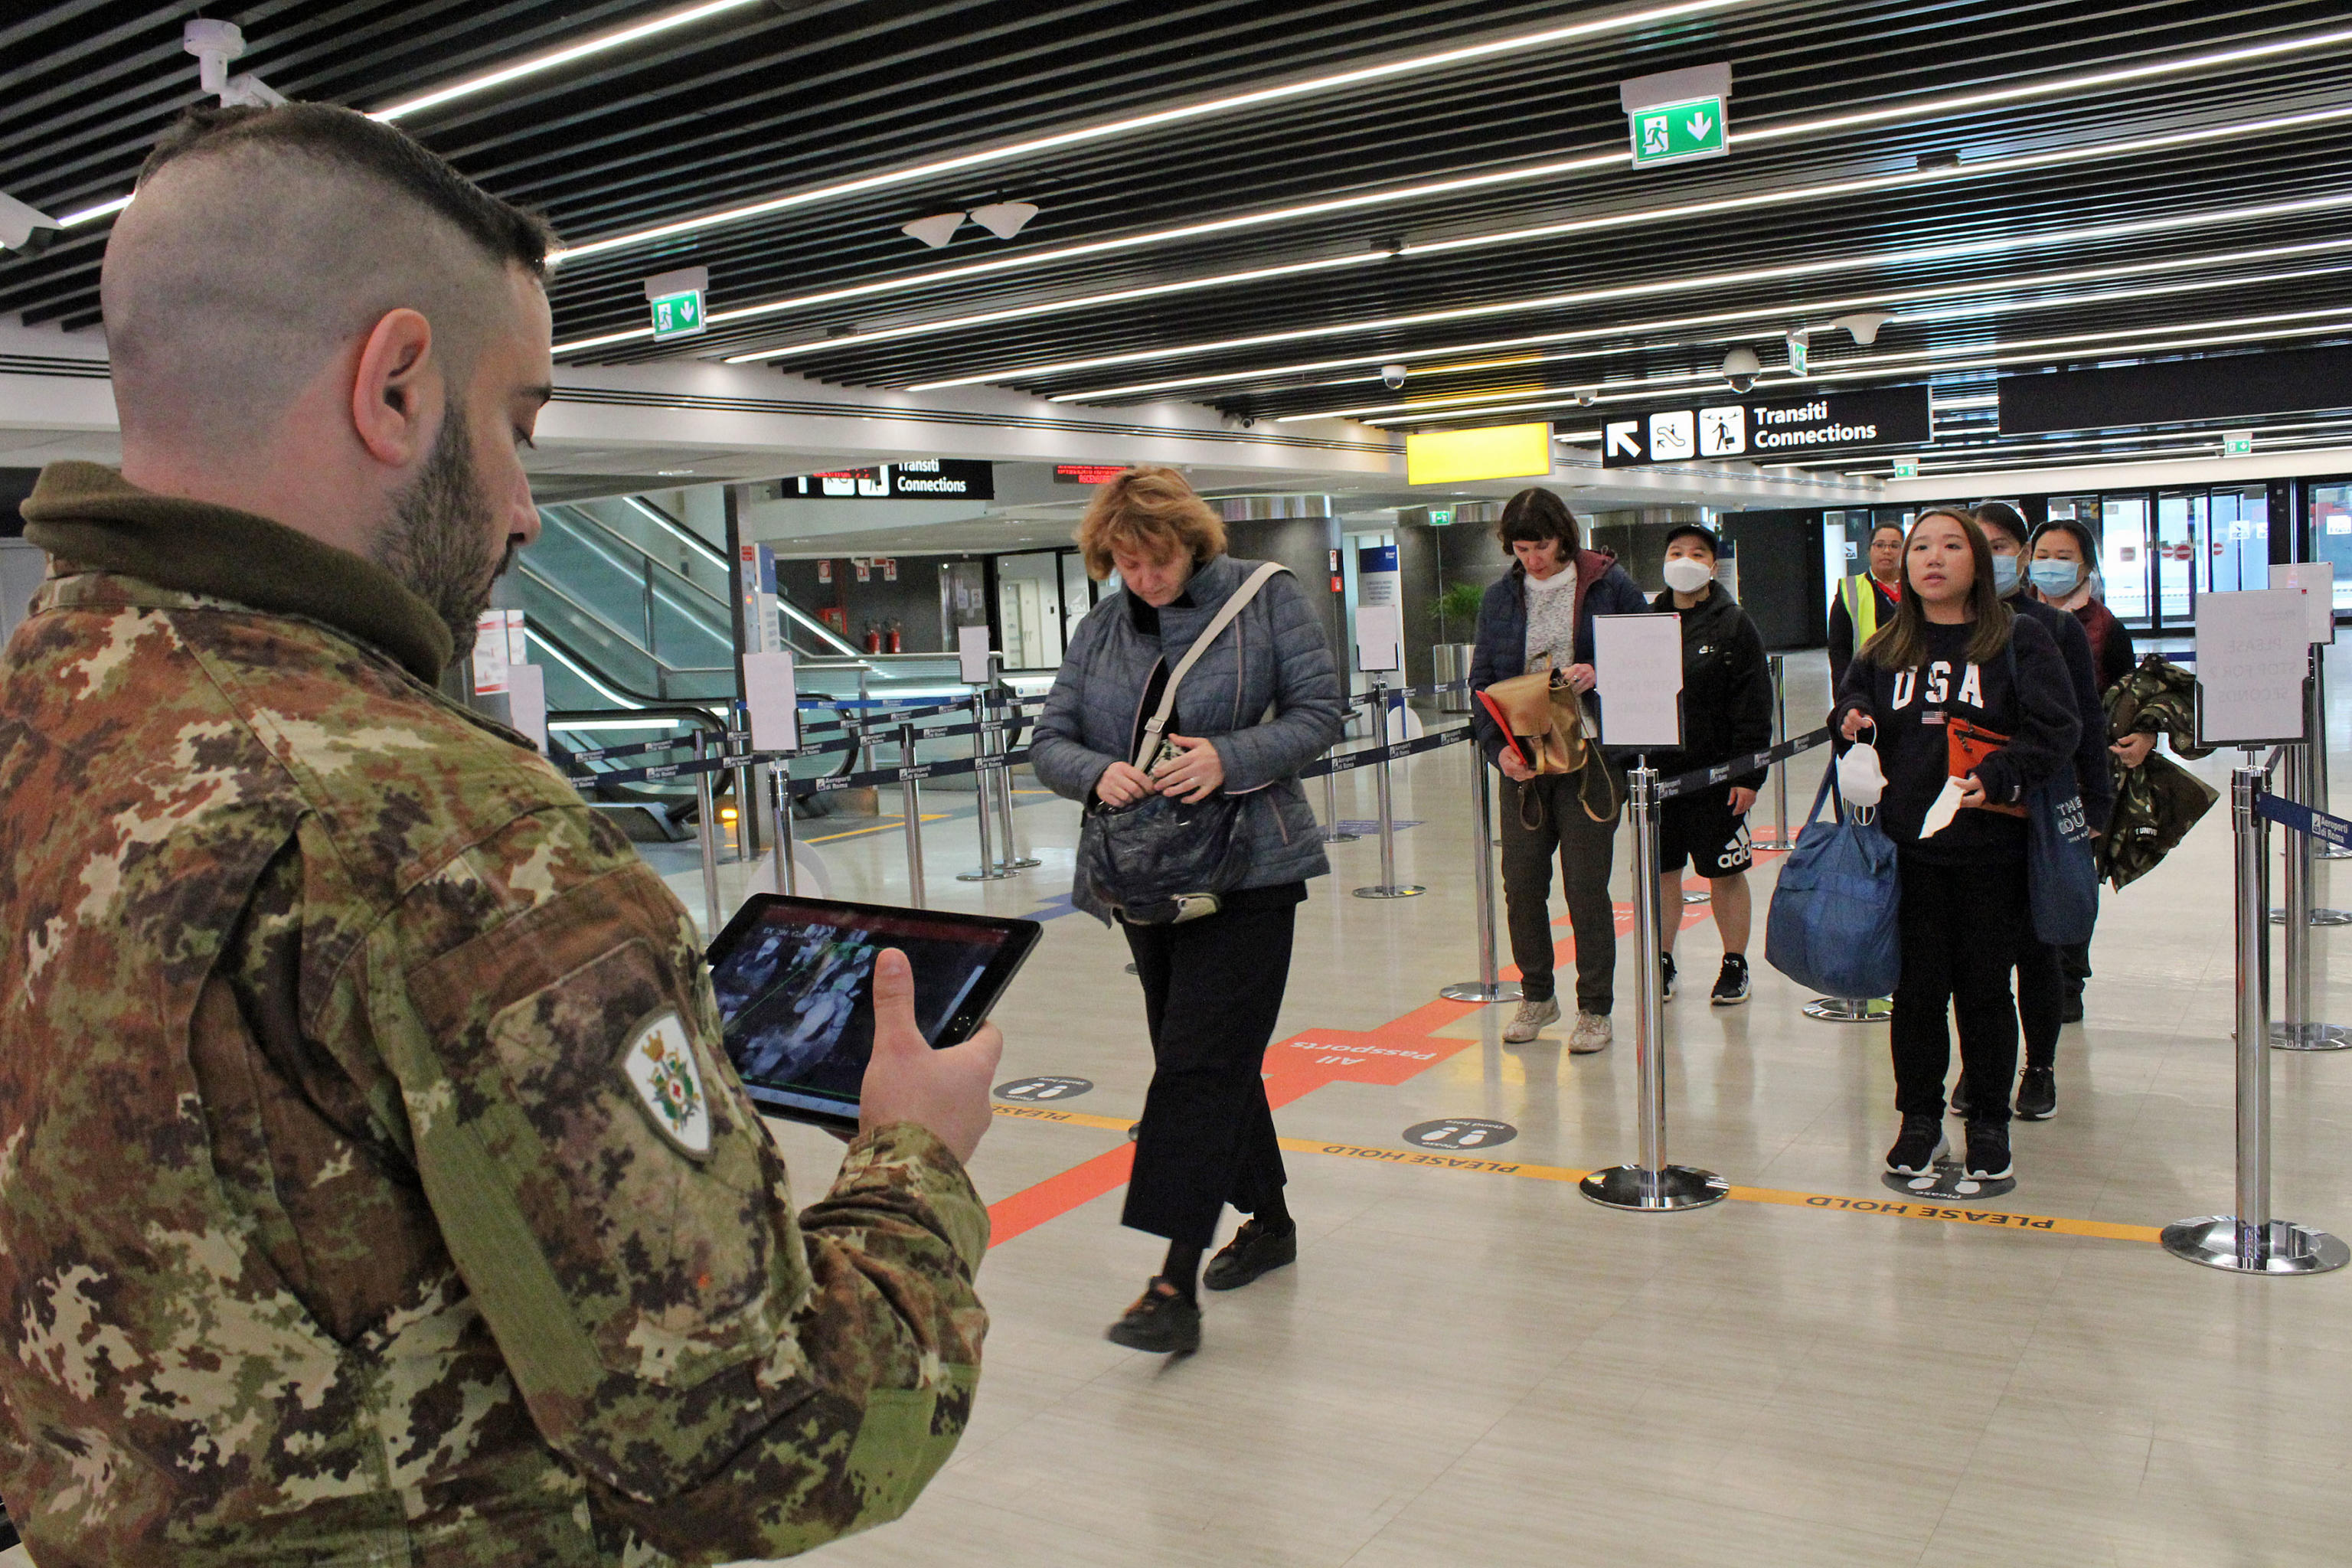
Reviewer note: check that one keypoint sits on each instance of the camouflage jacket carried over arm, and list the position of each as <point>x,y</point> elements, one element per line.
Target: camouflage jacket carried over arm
<point>371,1186</point>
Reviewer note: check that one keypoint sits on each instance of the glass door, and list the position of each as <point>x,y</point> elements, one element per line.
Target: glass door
<point>2180,526</point>
<point>2125,552</point>
<point>2238,542</point>
<point>2331,534</point>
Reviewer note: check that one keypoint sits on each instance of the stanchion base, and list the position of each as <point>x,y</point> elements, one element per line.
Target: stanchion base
<point>1849,1010</point>
<point>1696,898</point>
<point>2310,1037</point>
<point>1403,892</point>
<point>994,874</point>
<point>2281,1246</point>
<point>1479,991</point>
<point>1009,867</point>
<point>1666,1190</point>
<point>1332,836</point>
<point>2319,917</point>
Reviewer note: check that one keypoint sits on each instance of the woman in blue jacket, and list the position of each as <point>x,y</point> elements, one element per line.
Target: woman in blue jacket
<point>1541,613</point>
<point>1263,702</point>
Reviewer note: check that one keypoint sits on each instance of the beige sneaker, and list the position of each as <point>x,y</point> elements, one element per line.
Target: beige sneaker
<point>1591,1034</point>
<point>1531,1019</point>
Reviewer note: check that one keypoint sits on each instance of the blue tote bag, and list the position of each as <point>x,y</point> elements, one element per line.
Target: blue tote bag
<point>1833,924</point>
<point>2062,864</point>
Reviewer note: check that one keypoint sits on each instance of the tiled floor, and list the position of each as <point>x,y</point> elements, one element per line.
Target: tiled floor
<point>1469,1369</point>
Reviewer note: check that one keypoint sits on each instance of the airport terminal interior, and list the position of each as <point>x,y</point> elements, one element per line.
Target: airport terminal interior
<point>859,306</point>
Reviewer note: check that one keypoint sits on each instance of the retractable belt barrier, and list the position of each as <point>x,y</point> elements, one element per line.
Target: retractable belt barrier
<point>686,742</point>
<point>1753,763</point>
<point>2319,824</point>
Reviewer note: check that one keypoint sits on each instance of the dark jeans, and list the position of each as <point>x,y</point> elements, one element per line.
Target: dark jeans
<point>1211,989</point>
<point>1962,928</point>
<point>1585,848</point>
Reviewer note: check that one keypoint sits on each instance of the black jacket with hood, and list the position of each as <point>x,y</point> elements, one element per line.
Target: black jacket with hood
<point>1727,686</point>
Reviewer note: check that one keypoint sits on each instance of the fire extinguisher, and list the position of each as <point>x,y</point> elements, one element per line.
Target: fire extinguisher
<point>873,637</point>
<point>896,639</point>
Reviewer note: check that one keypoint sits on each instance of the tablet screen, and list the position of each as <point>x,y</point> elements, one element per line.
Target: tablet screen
<point>795,991</point>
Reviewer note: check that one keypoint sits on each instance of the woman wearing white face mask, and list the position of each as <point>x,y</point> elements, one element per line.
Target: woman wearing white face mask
<point>1726,714</point>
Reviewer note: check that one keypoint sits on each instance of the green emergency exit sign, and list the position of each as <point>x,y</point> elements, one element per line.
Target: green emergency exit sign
<point>1675,132</point>
<point>1906,468</point>
<point>2237,443</point>
<point>677,315</point>
<point>1440,516</point>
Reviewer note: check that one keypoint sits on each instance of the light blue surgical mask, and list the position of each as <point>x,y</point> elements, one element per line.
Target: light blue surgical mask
<point>2055,578</point>
<point>2004,575</point>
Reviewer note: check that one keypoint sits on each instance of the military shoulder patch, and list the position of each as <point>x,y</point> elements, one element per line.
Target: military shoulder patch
<point>661,1068</point>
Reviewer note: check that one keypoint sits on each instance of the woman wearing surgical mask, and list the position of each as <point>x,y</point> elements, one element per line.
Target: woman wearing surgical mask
<point>2046,999</point>
<point>1726,714</point>
<point>2059,573</point>
<point>1956,653</point>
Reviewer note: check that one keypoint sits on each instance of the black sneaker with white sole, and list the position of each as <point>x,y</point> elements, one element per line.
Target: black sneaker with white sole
<point>1989,1158</point>
<point>2037,1094</point>
<point>1731,985</point>
<point>1918,1148</point>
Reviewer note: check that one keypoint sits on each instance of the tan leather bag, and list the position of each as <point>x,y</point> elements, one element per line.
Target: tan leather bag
<point>1543,720</point>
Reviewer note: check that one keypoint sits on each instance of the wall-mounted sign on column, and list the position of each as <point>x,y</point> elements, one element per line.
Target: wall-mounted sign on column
<point>761,632</point>
<point>1380,617</point>
<point>1677,115</point>
<point>675,299</point>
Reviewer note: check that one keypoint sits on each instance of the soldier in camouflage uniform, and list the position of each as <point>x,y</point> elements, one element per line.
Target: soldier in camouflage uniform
<point>371,1191</point>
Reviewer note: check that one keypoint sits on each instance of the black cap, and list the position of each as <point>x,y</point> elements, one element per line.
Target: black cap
<point>1697,531</point>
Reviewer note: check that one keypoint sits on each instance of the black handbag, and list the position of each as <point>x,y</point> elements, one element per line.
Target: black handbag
<point>1162,861</point>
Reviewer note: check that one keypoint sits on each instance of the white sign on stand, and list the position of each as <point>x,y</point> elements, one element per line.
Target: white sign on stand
<point>2252,650</point>
<point>2315,581</point>
<point>1380,638</point>
<point>1638,663</point>
<point>527,702</point>
<point>972,655</point>
<point>773,700</point>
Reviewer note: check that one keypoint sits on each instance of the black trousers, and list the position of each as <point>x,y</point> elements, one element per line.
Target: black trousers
<point>2048,977</point>
<point>1585,848</point>
<point>1212,990</point>
<point>1962,929</point>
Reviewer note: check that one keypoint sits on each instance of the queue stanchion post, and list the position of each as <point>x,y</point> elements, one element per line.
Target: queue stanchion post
<point>706,830</point>
<point>1654,1185</point>
<point>1490,987</point>
<point>1388,886</point>
<point>780,832</point>
<point>2318,731</point>
<point>2308,786</point>
<point>983,794</point>
<point>1013,859</point>
<point>864,728</point>
<point>1332,832</point>
<point>910,801</point>
<point>2252,1240</point>
<point>1779,665</point>
<point>2297,1029</point>
<point>739,747</point>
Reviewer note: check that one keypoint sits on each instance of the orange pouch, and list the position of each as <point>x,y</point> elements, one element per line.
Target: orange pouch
<point>1966,746</point>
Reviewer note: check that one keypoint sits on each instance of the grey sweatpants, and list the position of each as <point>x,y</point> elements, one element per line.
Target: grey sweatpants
<point>1586,849</point>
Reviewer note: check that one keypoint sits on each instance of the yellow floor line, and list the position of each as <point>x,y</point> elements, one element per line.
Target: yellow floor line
<point>888,824</point>
<point>1890,1207</point>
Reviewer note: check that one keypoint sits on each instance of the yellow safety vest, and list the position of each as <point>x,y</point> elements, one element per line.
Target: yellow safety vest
<point>1862,599</point>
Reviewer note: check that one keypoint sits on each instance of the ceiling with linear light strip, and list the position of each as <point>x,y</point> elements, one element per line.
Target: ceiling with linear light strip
<point>1258,206</point>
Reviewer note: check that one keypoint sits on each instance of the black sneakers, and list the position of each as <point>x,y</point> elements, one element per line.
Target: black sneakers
<point>1988,1152</point>
<point>1731,984</point>
<point>2037,1095</point>
<point>1917,1149</point>
<point>1256,1249</point>
<point>1163,1321</point>
<point>1666,977</point>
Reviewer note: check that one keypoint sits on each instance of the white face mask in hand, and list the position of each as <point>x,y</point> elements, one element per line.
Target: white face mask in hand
<point>1685,575</point>
<point>1861,778</point>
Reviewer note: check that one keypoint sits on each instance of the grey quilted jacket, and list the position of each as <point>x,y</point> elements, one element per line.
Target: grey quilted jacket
<point>1265,694</point>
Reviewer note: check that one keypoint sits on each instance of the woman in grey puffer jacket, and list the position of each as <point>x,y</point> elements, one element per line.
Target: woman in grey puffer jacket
<point>1260,703</point>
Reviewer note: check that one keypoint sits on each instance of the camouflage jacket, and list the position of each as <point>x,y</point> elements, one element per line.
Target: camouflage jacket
<point>369,1190</point>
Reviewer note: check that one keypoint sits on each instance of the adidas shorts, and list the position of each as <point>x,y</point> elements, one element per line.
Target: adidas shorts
<point>1702,830</point>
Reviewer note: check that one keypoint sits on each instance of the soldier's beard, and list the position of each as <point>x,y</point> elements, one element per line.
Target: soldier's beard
<point>438,541</point>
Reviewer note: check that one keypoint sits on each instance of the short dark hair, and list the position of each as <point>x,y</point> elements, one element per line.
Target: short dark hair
<point>347,139</point>
<point>1534,515</point>
<point>1999,514</point>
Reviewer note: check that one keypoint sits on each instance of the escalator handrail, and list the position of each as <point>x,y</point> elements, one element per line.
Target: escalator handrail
<point>540,580</point>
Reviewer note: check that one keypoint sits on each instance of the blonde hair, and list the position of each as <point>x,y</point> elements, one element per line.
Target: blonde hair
<point>1151,511</point>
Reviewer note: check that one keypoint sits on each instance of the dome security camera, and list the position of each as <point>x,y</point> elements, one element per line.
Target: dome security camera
<point>1586,397</point>
<point>1863,325</point>
<point>1394,375</point>
<point>1741,367</point>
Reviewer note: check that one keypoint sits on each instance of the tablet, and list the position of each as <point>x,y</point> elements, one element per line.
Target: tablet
<point>794,980</point>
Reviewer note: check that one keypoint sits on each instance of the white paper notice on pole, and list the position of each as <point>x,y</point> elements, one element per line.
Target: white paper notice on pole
<point>1380,638</point>
<point>1638,662</point>
<point>527,702</point>
<point>972,655</point>
<point>2252,649</point>
<point>2315,581</point>
<point>770,699</point>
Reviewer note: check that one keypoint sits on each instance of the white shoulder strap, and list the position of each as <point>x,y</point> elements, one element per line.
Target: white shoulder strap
<point>1225,616</point>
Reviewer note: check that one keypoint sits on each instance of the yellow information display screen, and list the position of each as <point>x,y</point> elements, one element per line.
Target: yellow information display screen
<point>1498,452</point>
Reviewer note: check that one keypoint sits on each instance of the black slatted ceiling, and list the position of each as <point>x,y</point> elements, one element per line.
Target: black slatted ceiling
<point>780,96</point>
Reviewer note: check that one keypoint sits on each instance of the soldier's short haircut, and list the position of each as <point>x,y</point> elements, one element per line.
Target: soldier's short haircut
<point>263,241</point>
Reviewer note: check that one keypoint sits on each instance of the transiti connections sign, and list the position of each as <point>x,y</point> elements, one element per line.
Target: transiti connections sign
<point>1768,429</point>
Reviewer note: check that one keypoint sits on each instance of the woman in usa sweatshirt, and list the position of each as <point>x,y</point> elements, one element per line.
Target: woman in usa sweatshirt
<point>1951,658</point>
